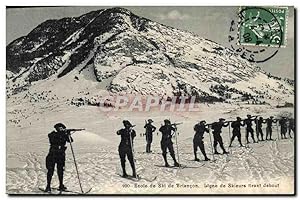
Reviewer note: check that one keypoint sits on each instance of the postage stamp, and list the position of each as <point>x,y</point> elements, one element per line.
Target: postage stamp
<point>263,26</point>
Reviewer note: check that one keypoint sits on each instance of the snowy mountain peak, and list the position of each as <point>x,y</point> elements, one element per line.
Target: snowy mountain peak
<point>126,53</point>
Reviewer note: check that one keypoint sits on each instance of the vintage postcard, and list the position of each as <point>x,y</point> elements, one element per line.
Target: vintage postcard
<point>150,100</point>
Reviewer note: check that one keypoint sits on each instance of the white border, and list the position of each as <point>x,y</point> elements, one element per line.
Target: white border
<point>4,3</point>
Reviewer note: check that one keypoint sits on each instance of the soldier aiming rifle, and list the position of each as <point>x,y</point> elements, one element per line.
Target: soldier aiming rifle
<point>249,129</point>
<point>259,131</point>
<point>57,155</point>
<point>217,130</point>
<point>236,130</point>
<point>283,127</point>
<point>167,131</point>
<point>149,134</point>
<point>126,147</point>
<point>269,131</point>
<point>200,129</point>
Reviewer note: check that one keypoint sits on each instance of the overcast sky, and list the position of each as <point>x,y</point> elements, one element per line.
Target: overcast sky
<point>208,22</point>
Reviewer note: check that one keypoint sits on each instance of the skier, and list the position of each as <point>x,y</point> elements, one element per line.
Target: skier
<point>291,126</point>
<point>259,131</point>
<point>269,122</point>
<point>283,127</point>
<point>200,129</point>
<point>249,129</point>
<point>126,146</point>
<point>217,130</point>
<point>236,132</point>
<point>166,142</point>
<point>56,155</point>
<point>149,134</point>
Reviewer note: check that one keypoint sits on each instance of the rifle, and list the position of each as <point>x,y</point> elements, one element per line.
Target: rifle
<point>232,121</point>
<point>75,129</point>
<point>224,122</point>
<point>132,150</point>
<point>176,140</point>
<point>68,131</point>
<point>215,122</point>
<point>254,117</point>
<point>175,124</point>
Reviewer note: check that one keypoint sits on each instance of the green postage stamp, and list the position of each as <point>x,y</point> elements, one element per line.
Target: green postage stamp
<point>263,26</point>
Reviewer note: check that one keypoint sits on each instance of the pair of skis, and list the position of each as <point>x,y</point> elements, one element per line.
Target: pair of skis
<point>138,178</point>
<point>56,191</point>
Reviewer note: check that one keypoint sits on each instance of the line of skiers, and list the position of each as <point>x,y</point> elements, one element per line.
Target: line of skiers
<point>61,136</point>
<point>168,130</point>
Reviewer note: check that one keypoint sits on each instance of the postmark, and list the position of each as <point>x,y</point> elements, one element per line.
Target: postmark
<point>258,33</point>
<point>263,26</point>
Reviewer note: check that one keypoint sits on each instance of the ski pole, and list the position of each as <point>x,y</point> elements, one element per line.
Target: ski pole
<point>177,146</point>
<point>229,152</point>
<point>229,137</point>
<point>176,141</point>
<point>277,131</point>
<point>132,151</point>
<point>256,126</point>
<point>75,164</point>
<point>246,143</point>
<point>212,150</point>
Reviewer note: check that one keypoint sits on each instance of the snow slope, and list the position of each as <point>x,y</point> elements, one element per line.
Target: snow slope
<point>98,161</point>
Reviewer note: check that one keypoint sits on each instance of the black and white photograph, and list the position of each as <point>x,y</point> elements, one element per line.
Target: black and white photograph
<point>150,100</point>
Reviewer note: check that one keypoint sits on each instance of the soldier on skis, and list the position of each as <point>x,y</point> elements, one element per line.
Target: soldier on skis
<point>259,131</point>
<point>200,129</point>
<point>291,126</point>
<point>149,134</point>
<point>217,130</point>
<point>269,122</point>
<point>249,129</point>
<point>166,142</point>
<point>283,127</point>
<point>236,131</point>
<point>126,146</point>
<point>56,155</point>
